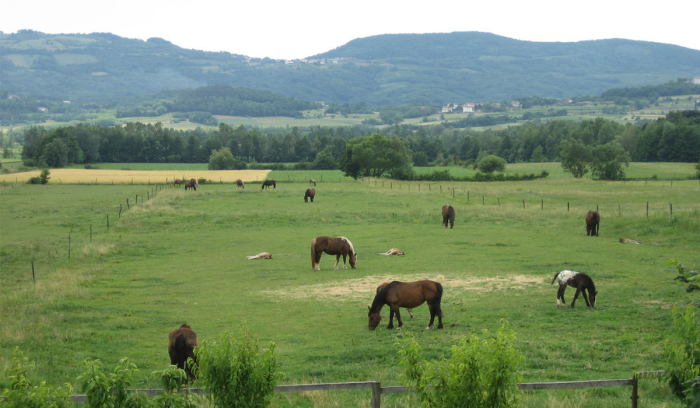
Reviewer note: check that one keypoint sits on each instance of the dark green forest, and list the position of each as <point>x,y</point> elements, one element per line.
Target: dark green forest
<point>384,70</point>
<point>675,138</point>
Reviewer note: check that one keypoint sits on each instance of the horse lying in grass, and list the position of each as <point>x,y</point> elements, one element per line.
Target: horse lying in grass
<point>582,282</point>
<point>408,295</point>
<point>332,246</point>
<point>262,255</point>
<point>181,344</point>
<point>392,251</point>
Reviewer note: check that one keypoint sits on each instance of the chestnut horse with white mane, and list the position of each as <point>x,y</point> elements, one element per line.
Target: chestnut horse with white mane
<point>332,246</point>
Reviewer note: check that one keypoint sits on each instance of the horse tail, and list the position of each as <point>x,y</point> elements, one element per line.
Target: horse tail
<point>313,253</point>
<point>180,347</point>
<point>555,278</point>
<point>438,297</point>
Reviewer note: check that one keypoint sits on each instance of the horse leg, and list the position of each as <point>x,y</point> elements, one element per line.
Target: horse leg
<point>578,290</point>
<point>391,319</point>
<point>337,259</point>
<point>583,292</point>
<point>560,296</point>
<point>410,313</point>
<point>344,258</point>
<point>398,318</point>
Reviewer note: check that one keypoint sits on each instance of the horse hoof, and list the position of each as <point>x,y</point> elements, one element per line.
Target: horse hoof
<point>429,328</point>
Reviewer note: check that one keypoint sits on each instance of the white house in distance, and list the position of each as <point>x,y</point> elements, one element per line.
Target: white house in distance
<point>469,107</point>
<point>696,80</point>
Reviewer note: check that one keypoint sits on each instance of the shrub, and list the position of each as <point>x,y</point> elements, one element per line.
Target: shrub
<point>34,180</point>
<point>479,373</point>
<point>201,181</point>
<point>234,371</point>
<point>91,166</point>
<point>683,358</point>
<point>44,177</point>
<point>111,390</point>
<point>172,379</point>
<point>22,394</point>
<point>491,163</point>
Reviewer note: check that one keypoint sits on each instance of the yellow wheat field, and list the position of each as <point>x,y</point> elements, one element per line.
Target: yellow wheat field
<point>96,176</point>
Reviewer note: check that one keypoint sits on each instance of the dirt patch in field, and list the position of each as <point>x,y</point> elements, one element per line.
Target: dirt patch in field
<point>361,289</point>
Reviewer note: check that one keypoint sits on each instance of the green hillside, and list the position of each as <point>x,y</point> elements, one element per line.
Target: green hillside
<point>382,70</point>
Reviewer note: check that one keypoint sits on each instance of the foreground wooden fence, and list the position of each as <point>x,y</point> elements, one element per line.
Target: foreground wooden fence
<point>378,390</point>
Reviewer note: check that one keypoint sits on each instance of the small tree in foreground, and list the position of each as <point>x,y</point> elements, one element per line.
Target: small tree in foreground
<point>111,389</point>
<point>235,373</point>
<point>682,352</point>
<point>23,394</point>
<point>480,372</point>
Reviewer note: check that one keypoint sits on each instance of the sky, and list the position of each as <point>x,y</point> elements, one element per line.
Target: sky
<point>295,29</point>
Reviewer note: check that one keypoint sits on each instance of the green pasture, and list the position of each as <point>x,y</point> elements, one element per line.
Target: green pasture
<point>180,257</point>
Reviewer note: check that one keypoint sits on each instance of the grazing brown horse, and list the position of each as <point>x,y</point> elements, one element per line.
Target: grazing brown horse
<point>194,181</point>
<point>312,182</point>
<point>181,344</point>
<point>177,182</point>
<point>385,284</point>
<point>582,282</point>
<point>268,183</point>
<point>392,251</point>
<point>262,255</point>
<point>332,246</point>
<point>592,223</point>
<point>239,184</point>
<point>409,295</point>
<point>190,184</point>
<point>310,193</point>
<point>448,215</point>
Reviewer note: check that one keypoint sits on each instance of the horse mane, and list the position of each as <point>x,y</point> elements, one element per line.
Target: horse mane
<point>380,298</point>
<point>352,249</point>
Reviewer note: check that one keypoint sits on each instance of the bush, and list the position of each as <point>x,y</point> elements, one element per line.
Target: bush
<point>34,180</point>
<point>111,390</point>
<point>22,394</point>
<point>172,379</point>
<point>683,358</point>
<point>44,177</point>
<point>234,371</point>
<point>480,373</point>
<point>491,163</point>
<point>91,166</point>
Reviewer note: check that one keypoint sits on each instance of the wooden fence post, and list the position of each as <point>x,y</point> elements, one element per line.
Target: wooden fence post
<point>483,200</point>
<point>542,204</point>
<point>647,209</point>
<point>108,220</point>
<point>635,391</point>
<point>127,204</point>
<point>596,208</point>
<point>90,232</point>
<point>523,203</point>
<point>499,201</point>
<point>69,245</point>
<point>567,206</point>
<point>33,276</point>
<point>670,206</point>
<point>120,211</point>
<point>376,395</point>
<point>619,211</point>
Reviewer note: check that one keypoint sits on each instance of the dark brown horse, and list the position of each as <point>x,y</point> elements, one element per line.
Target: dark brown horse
<point>194,181</point>
<point>582,282</point>
<point>409,295</point>
<point>332,246</point>
<point>312,182</point>
<point>181,344</point>
<point>190,184</point>
<point>385,284</point>
<point>177,182</point>
<point>239,184</point>
<point>592,223</point>
<point>310,193</point>
<point>268,183</point>
<point>448,215</point>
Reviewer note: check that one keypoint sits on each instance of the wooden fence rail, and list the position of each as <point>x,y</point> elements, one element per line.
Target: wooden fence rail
<point>378,390</point>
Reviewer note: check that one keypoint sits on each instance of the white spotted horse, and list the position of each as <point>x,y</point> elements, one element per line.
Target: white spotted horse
<point>582,282</point>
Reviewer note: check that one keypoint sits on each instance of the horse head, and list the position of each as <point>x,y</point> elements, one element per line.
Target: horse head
<point>374,318</point>
<point>353,259</point>
<point>592,297</point>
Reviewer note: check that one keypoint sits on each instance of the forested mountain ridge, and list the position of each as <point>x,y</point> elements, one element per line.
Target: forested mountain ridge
<point>394,69</point>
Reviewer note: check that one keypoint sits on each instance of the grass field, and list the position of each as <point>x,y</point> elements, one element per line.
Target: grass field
<point>180,257</point>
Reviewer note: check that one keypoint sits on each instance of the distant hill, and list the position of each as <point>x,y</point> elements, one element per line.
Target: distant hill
<point>382,70</point>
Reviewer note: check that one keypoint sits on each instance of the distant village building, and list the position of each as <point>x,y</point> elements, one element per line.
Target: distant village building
<point>696,80</point>
<point>516,104</point>
<point>43,109</point>
<point>469,107</point>
<point>12,96</point>
<point>67,102</point>
<point>447,108</point>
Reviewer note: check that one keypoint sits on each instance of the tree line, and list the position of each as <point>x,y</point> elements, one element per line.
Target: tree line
<point>675,138</point>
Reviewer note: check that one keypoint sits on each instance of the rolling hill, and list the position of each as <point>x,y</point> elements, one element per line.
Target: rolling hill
<point>379,70</point>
